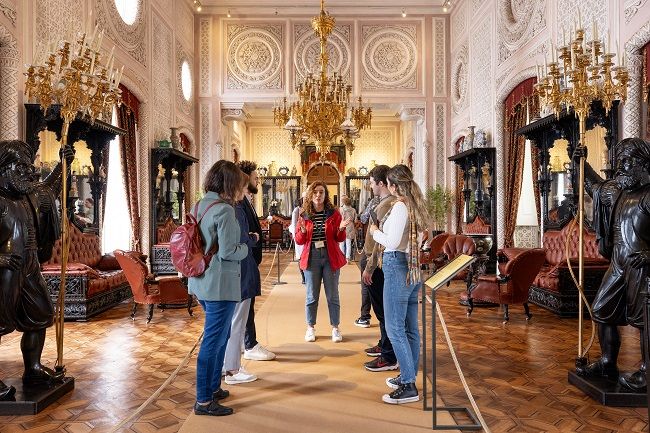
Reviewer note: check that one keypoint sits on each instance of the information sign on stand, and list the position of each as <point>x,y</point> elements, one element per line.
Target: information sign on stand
<point>437,280</point>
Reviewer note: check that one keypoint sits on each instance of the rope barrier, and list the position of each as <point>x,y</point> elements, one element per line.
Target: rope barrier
<point>458,369</point>
<point>272,263</point>
<point>160,389</point>
<point>580,289</point>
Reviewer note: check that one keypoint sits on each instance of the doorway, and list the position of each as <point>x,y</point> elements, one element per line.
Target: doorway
<point>329,175</point>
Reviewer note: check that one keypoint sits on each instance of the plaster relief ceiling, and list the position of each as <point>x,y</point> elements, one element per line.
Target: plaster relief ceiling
<point>244,8</point>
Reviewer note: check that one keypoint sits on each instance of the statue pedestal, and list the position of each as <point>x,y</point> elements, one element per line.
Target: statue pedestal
<point>30,400</point>
<point>608,392</point>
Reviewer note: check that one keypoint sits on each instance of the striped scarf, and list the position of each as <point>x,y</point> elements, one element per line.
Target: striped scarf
<point>413,275</point>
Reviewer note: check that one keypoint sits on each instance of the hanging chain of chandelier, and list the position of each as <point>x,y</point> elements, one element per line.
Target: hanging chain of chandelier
<point>321,112</point>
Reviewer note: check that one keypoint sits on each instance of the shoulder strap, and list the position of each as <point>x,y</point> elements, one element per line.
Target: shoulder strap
<point>196,209</point>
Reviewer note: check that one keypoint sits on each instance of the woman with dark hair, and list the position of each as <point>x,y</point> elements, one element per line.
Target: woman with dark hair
<point>398,234</point>
<point>320,229</point>
<point>218,289</point>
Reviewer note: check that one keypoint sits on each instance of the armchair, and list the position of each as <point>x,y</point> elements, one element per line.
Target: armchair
<point>433,255</point>
<point>516,276</point>
<point>276,233</point>
<point>456,245</point>
<point>149,289</point>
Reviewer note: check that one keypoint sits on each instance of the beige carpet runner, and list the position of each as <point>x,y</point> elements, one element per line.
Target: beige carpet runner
<point>314,387</point>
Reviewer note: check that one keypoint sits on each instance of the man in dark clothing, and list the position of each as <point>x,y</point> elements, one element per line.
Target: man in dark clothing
<point>29,226</point>
<point>621,221</point>
<point>252,349</point>
<point>372,276</point>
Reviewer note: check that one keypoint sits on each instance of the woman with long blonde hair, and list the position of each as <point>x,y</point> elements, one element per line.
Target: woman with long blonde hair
<point>398,234</point>
<point>320,228</point>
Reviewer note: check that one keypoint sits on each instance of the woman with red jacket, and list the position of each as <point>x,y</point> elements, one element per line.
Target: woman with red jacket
<point>320,229</point>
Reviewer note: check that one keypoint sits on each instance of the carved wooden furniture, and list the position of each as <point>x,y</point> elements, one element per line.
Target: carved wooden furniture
<point>517,269</point>
<point>150,289</point>
<point>553,288</point>
<point>94,282</point>
<point>478,166</point>
<point>168,167</point>
<point>97,136</point>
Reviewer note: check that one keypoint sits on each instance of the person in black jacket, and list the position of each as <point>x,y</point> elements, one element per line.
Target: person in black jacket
<point>253,350</point>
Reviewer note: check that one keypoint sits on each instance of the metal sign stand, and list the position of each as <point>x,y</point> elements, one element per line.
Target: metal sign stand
<point>475,425</point>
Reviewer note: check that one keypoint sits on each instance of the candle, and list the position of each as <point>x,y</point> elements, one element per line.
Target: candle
<point>608,42</point>
<point>579,19</point>
<point>563,36</point>
<point>593,54</point>
<point>594,30</point>
<point>618,53</point>
<point>92,63</point>
<point>545,63</point>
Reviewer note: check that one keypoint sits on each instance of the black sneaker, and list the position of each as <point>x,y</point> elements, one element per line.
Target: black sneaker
<point>406,393</point>
<point>373,351</point>
<point>394,382</point>
<point>220,394</point>
<point>380,364</point>
<point>363,323</point>
<point>213,409</point>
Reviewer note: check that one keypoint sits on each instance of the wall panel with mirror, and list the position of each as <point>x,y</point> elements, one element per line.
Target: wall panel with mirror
<point>89,167</point>
<point>556,139</point>
<point>279,195</point>
<point>168,170</point>
<point>359,191</point>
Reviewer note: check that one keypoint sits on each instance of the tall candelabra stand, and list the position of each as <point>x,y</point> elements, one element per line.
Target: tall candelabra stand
<point>72,75</point>
<point>582,73</point>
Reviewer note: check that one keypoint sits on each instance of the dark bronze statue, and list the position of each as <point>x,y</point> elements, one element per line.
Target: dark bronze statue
<point>622,224</point>
<point>29,226</point>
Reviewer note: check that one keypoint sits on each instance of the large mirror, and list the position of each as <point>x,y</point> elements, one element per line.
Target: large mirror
<point>359,191</point>
<point>279,194</point>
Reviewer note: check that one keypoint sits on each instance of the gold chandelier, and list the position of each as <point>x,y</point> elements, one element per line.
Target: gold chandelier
<point>321,111</point>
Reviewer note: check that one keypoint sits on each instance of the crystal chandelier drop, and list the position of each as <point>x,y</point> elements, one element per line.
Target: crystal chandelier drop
<point>321,111</point>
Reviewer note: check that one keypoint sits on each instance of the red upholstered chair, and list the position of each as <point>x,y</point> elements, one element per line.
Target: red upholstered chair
<point>149,289</point>
<point>276,231</point>
<point>516,275</point>
<point>434,255</point>
<point>456,245</point>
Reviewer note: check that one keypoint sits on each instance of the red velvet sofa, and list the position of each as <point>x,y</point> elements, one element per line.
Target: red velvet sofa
<point>94,282</point>
<point>553,287</point>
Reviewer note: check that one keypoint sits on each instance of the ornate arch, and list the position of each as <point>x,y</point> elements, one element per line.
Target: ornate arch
<point>9,61</point>
<point>632,108</point>
<point>502,94</point>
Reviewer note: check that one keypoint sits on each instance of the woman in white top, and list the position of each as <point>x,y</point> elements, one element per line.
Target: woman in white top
<point>348,213</point>
<point>398,234</point>
<point>292,229</point>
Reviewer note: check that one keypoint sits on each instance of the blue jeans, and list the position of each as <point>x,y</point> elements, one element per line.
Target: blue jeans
<point>319,270</point>
<point>401,314</point>
<point>209,362</point>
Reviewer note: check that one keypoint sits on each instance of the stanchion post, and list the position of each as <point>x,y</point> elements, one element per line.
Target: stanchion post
<point>277,254</point>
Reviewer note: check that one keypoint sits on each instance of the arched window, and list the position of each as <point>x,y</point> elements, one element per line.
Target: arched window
<point>128,10</point>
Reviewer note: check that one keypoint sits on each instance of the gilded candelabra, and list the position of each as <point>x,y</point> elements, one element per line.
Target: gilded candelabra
<point>71,74</point>
<point>321,110</point>
<point>582,73</point>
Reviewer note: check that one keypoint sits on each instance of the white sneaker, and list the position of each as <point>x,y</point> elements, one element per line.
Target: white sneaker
<point>310,335</point>
<point>259,353</point>
<point>242,376</point>
<point>336,335</point>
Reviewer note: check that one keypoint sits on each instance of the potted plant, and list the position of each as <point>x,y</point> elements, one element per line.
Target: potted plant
<point>439,200</point>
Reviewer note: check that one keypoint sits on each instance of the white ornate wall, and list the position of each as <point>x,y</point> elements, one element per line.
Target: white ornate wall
<point>495,45</point>
<point>151,51</point>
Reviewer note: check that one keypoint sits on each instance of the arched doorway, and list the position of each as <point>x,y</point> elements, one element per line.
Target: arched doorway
<point>329,175</point>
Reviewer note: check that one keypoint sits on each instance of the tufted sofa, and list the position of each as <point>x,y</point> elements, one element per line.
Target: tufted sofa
<point>161,259</point>
<point>553,287</point>
<point>94,282</point>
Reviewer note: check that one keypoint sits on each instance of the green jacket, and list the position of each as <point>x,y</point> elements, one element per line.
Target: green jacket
<point>221,281</point>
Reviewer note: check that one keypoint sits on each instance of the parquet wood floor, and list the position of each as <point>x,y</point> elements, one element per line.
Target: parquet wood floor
<point>117,365</point>
<point>517,372</point>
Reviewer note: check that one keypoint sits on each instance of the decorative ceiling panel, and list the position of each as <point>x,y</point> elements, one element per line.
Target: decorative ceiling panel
<point>306,53</point>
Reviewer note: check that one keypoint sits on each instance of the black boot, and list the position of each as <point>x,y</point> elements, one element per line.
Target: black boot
<point>7,393</point>
<point>32,347</point>
<point>610,343</point>
<point>637,381</point>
